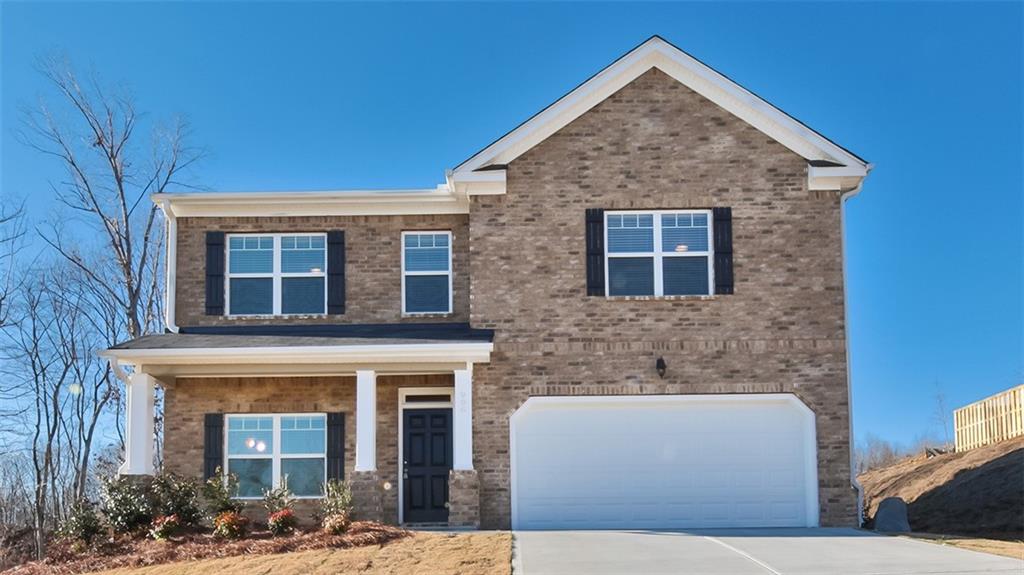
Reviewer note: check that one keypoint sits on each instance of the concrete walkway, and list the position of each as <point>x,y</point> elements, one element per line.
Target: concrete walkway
<point>744,552</point>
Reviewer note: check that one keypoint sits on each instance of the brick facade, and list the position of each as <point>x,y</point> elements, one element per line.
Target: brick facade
<point>520,270</point>
<point>373,266</point>
<point>656,144</point>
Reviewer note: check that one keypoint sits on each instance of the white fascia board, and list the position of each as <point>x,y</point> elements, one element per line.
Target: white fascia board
<point>477,352</point>
<point>685,69</point>
<point>836,178</point>
<point>328,203</point>
<point>487,183</point>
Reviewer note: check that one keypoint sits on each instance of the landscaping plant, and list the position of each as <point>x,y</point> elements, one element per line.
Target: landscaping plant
<point>282,522</point>
<point>164,526</point>
<point>230,525</point>
<point>278,498</point>
<point>220,491</point>
<point>82,525</point>
<point>127,505</point>
<point>177,496</point>
<point>336,506</point>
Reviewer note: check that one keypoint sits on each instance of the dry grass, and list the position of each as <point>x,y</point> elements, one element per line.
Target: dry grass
<point>1014,549</point>
<point>476,553</point>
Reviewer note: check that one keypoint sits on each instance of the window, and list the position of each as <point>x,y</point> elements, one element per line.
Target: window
<point>263,450</point>
<point>426,272</point>
<point>277,274</point>
<point>658,253</point>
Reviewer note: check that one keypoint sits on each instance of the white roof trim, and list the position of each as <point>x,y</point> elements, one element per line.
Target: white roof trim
<point>420,353</point>
<point>657,53</point>
<point>320,203</point>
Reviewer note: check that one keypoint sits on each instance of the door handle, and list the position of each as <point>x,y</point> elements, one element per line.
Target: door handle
<point>405,469</point>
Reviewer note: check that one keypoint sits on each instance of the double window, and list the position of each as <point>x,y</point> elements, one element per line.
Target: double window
<point>264,451</point>
<point>426,272</point>
<point>658,253</point>
<point>275,274</point>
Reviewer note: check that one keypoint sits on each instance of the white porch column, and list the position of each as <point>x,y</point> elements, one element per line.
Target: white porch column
<point>462,415</point>
<point>138,450</point>
<point>366,421</point>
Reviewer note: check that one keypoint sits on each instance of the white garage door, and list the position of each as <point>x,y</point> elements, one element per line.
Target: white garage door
<point>663,462</point>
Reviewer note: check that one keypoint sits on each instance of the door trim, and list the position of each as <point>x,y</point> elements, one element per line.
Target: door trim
<point>403,394</point>
<point>813,506</point>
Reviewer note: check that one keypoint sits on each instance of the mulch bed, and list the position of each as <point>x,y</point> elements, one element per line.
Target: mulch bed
<point>128,552</point>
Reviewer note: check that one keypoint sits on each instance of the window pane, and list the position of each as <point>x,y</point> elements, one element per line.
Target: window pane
<point>426,294</point>
<point>685,276</point>
<point>303,434</point>
<point>684,239</point>
<point>251,295</point>
<point>299,256</point>
<point>305,476</point>
<point>250,435</point>
<point>251,255</point>
<point>302,295</point>
<point>426,259</point>
<point>631,276</point>
<point>254,475</point>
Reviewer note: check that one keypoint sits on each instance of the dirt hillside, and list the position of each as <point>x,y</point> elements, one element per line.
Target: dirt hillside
<point>978,492</point>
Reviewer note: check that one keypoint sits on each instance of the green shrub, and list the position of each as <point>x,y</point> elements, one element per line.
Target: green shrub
<point>127,504</point>
<point>219,492</point>
<point>230,525</point>
<point>82,525</point>
<point>177,496</point>
<point>279,498</point>
<point>337,498</point>
<point>164,526</point>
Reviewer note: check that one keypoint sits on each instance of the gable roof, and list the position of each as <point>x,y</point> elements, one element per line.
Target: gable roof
<point>830,165</point>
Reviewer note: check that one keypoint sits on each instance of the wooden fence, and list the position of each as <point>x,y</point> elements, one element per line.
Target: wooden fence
<point>991,420</point>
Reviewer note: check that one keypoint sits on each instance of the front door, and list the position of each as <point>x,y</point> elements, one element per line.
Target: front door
<point>427,459</point>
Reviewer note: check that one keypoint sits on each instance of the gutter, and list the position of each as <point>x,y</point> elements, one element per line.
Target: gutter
<point>846,322</point>
<point>171,266</point>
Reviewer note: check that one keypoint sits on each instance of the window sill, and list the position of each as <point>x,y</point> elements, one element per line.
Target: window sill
<point>277,316</point>
<point>662,297</point>
<point>435,315</point>
<point>300,497</point>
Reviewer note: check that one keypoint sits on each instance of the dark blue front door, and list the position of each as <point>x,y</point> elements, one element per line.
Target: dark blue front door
<point>427,459</point>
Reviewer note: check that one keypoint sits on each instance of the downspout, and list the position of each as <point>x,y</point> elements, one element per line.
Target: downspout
<point>849,364</point>
<point>171,265</point>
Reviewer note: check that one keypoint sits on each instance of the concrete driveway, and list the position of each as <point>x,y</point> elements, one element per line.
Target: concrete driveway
<point>744,552</point>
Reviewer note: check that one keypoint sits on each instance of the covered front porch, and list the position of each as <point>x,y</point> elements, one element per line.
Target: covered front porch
<point>392,416</point>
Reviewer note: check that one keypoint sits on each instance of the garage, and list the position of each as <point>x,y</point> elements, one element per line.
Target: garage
<point>663,462</point>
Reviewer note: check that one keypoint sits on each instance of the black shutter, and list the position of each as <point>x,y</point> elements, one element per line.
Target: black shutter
<point>336,446</point>
<point>595,251</point>
<point>723,250</point>
<point>336,272</point>
<point>213,444</point>
<point>214,273</point>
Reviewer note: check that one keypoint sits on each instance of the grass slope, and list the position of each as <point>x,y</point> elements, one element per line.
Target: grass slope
<point>475,553</point>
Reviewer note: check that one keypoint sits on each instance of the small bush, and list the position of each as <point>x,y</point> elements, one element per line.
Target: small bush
<point>230,525</point>
<point>337,498</point>
<point>282,522</point>
<point>279,498</point>
<point>164,526</point>
<point>82,525</point>
<point>337,523</point>
<point>219,492</point>
<point>127,505</point>
<point>177,496</point>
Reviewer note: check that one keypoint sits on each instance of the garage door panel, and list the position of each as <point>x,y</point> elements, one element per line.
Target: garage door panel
<point>671,464</point>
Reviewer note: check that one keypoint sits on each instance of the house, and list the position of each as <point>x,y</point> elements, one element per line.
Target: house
<point>627,312</point>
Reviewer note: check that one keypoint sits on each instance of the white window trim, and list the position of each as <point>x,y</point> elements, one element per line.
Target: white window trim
<point>276,275</point>
<point>428,273</point>
<point>403,393</point>
<point>658,254</point>
<point>275,456</point>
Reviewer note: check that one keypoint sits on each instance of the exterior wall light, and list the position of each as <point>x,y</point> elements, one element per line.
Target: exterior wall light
<point>661,367</point>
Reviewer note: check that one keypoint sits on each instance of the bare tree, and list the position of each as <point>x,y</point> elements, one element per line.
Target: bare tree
<point>941,415</point>
<point>108,178</point>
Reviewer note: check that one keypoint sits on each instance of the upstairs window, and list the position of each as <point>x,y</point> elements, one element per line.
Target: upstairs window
<point>276,274</point>
<point>426,272</point>
<point>659,253</point>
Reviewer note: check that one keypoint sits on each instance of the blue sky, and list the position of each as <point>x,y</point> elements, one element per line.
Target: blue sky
<point>327,96</point>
